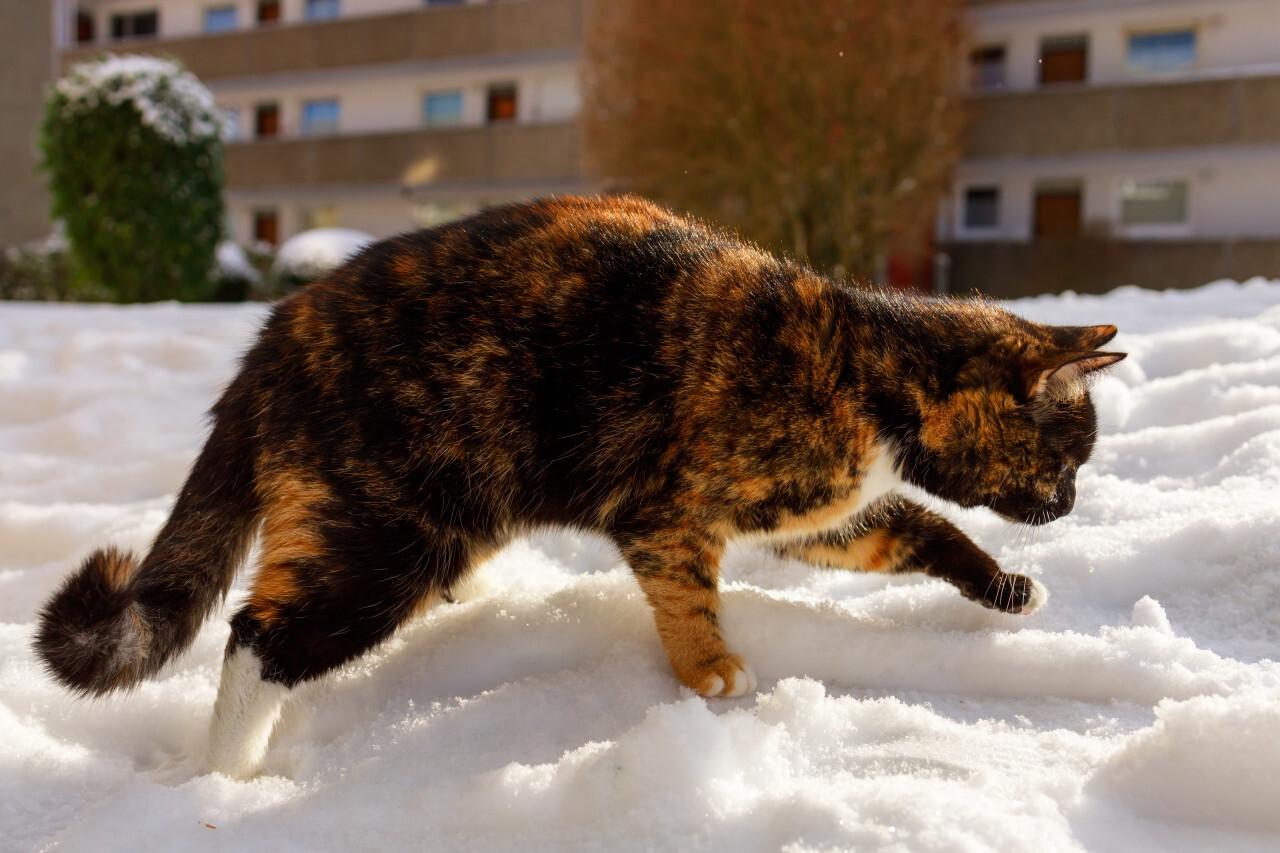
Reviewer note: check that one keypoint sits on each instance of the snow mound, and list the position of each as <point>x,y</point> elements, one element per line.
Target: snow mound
<point>170,100</point>
<point>311,254</point>
<point>233,263</point>
<point>1138,711</point>
<point>1211,759</point>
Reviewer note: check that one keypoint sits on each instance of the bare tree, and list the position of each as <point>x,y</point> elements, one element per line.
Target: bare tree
<point>826,129</point>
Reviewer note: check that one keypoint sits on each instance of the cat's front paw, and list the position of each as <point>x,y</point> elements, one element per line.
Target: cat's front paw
<point>1015,594</point>
<point>728,676</point>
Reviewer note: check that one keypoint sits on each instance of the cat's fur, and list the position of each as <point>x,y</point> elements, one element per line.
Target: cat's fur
<point>597,363</point>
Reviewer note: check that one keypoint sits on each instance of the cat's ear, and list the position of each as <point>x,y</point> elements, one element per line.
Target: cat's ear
<point>1081,339</point>
<point>1066,370</point>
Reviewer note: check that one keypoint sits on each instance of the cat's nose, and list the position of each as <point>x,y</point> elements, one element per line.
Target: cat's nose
<point>1064,497</point>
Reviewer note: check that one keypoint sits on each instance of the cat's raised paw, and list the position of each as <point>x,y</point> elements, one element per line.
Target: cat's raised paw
<point>728,677</point>
<point>1017,594</point>
<point>1037,595</point>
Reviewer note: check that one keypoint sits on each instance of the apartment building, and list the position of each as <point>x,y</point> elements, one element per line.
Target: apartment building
<point>1111,141</point>
<point>1118,141</point>
<point>380,115</point>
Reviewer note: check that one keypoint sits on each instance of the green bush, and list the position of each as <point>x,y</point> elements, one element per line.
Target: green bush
<point>133,152</point>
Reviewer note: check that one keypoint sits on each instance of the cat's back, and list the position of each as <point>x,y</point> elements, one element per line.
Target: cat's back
<point>565,281</point>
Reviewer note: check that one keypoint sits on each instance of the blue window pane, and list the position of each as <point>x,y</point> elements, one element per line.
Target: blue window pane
<point>321,9</point>
<point>220,19</point>
<point>320,116</point>
<point>442,108</point>
<point>1156,52</point>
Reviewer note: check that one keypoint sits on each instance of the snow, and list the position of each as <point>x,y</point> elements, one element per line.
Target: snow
<point>1138,710</point>
<point>310,254</point>
<point>233,263</point>
<point>170,100</point>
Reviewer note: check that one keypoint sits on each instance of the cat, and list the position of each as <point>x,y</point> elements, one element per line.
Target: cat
<point>599,363</point>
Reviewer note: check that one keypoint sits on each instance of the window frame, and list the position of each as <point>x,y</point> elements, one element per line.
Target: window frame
<point>990,48</point>
<point>1134,70</point>
<point>964,220</point>
<point>221,7</point>
<point>440,94</point>
<point>1181,228</point>
<point>132,18</point>
<point>307,124</point>
<point>330,10</point>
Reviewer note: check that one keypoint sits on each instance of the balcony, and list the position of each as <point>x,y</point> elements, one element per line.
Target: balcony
<point>442,33</point>
<point>413,159</point>
<point>1052,122</point>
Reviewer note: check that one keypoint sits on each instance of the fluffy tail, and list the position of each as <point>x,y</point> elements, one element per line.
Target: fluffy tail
<point>116,620</point>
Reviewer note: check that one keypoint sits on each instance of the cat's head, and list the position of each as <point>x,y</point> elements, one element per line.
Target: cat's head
<point>1009,422</point>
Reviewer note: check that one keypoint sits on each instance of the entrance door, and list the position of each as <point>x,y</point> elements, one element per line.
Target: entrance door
<point>1058,212</point>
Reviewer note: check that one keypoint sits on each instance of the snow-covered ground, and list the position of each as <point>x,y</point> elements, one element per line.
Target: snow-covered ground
<point>1139,710</point>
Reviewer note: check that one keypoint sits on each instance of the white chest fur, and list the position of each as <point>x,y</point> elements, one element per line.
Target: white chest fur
<point>878,479</point>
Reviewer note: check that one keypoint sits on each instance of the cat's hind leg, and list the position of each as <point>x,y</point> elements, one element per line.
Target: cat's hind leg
<point>898,535</point>
<point>244,714</point>
<point>335,579</point>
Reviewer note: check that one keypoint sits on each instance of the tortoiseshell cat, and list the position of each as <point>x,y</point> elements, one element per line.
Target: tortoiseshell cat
<point>598,363</point>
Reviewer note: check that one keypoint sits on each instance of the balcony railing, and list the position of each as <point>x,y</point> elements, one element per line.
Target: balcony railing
<point>1050,122</point>
<point>439,33</point>
<point>418,158</point>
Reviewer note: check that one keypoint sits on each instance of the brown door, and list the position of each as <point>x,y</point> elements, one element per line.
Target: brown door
<point>268,11</point>
<point>502,102</point>
<point>266,227</point>
<point>1064,60</point>
<point>1057,213</point>
<point>267,120</point>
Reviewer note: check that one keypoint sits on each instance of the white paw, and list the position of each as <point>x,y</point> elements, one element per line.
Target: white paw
<point>1036,599</point>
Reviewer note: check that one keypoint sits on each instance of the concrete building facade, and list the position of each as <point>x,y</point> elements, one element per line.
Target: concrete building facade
<point>380,115</point>
<point>1118,141</point>
<point>30,61</point>
<point>1111,141</point>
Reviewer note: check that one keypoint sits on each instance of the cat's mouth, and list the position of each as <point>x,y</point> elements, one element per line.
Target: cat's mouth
<point>1036,512</point>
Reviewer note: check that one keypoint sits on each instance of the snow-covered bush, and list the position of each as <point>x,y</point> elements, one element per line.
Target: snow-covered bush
<point>236,275</point>
<point>307,256</point>
<point>133,151</point>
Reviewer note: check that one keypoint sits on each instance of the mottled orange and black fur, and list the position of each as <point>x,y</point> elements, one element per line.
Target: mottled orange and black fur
<point>601,364</point>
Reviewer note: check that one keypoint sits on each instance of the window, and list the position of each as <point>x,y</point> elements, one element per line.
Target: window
<point>441,109</point>
<point>986,68</point>
<point>1057,210</point>
<point>982,207</point>
<point>1154,53</point>
<point>266,120</point>
<point>85,27</point>
<point>319,10</point>
<point>1153,202</point>
<point>220,19</point>
<point>433,213</point>
<point>1064,59</point>
<point>230,123</point>
<point>266,226</point>
<point>320,116</point>
<point>319,217</point>
<point>502,102</point>
<point>268,11</point>
<point>135,25</point>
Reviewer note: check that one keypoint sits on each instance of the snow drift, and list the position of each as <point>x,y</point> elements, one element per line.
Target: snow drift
<point>1140,710</point>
